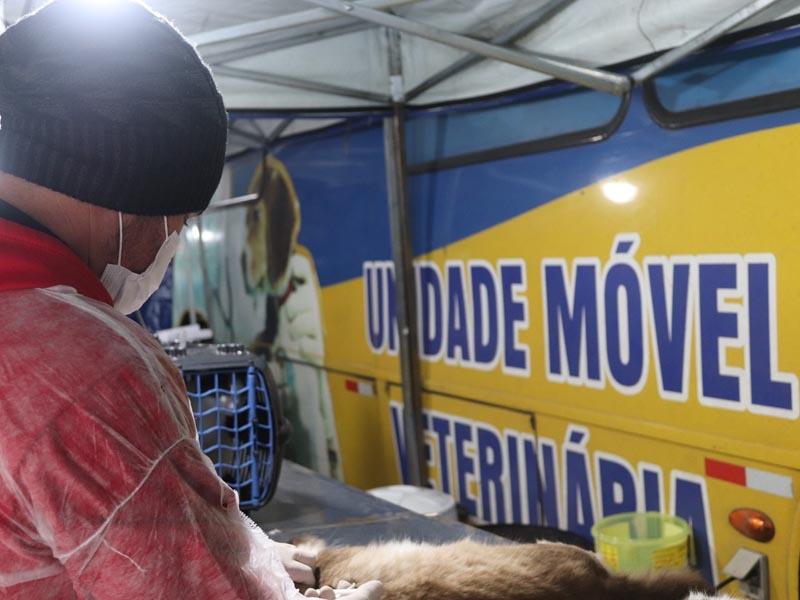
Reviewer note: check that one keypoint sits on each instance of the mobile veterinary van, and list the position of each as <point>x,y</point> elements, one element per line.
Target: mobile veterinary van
<point>607,293</point>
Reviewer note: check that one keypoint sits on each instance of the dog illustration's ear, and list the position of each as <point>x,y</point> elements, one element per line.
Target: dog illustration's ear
<point>282,222</point>
<point>274,220</point>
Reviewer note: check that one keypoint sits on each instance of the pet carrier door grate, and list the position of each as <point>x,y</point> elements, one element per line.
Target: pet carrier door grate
<point>237,416</point>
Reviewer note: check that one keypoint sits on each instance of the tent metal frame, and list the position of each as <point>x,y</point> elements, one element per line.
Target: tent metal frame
<point>302,84</point>
<point>598,79</point>
<point>216,57</point>
<point>330,19</point>
<point>315,16</point>
<point>537,18</point>
<point>702,39</point>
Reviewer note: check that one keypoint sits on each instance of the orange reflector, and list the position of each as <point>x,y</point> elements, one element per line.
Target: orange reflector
<point>752,523</point>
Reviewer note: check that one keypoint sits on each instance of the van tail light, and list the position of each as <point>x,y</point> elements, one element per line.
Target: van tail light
<point>752,523</point>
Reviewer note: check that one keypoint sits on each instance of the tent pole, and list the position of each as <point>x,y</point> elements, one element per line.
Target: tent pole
<point>314,16</point>
<point>301,84</point>
<point>261,46</point>
<point>702,39</point>
<point>405,285</point>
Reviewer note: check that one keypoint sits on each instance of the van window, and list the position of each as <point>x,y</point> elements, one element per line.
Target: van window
<point>754,76</point>
<point>444,138</point>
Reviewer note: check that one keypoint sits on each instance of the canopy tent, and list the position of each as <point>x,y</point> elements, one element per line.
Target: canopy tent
<point>292,55</point>
<point>288,65</point>
<point>330,56</point>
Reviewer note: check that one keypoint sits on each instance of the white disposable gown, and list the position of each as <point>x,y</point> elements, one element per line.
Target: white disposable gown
<point>104,492</point>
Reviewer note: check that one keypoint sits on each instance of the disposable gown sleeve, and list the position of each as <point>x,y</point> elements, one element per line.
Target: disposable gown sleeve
<point>179,534</point>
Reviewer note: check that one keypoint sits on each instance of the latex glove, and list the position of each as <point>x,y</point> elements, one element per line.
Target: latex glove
<point>298,563</point>
<point>371,590</point>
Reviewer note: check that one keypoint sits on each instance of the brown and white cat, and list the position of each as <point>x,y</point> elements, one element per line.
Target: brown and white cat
<point>469,570</point>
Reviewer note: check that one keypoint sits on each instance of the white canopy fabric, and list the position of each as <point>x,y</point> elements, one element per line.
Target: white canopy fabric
<point>274,55</point>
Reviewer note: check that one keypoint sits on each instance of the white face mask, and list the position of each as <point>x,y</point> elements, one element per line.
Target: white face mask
<point>130,290</point>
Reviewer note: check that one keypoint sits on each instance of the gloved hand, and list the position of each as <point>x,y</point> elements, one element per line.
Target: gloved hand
<point>298,563</point>
<point>371,590</point>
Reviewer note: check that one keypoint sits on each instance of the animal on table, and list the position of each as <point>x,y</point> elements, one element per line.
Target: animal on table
<point>470,570</point>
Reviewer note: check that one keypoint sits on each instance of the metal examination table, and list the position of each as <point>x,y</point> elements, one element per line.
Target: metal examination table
<point>306,503</point>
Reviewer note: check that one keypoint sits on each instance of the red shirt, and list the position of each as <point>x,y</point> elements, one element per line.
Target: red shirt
<point>104,492</point>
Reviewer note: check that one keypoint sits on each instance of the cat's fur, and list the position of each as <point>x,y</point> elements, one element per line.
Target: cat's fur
<point>469,570</point>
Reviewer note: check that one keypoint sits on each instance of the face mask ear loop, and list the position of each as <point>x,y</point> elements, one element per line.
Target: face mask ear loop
<point>166,229</point>
<point>119,252</point>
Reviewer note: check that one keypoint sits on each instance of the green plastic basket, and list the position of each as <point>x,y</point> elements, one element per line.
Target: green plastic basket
<point>636,542</point>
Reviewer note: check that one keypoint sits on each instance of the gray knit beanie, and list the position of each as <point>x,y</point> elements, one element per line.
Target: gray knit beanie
<point>109,104</point>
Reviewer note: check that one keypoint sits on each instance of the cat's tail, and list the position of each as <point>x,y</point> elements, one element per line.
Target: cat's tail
<point>675,584</point>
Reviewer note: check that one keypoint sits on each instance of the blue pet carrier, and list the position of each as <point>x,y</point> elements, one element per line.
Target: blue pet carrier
<point>237,412</point>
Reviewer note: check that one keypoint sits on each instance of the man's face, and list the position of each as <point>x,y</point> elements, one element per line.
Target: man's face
<point>143,236</point>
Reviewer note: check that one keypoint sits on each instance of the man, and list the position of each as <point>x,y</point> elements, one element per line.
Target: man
<point>112,134</point>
